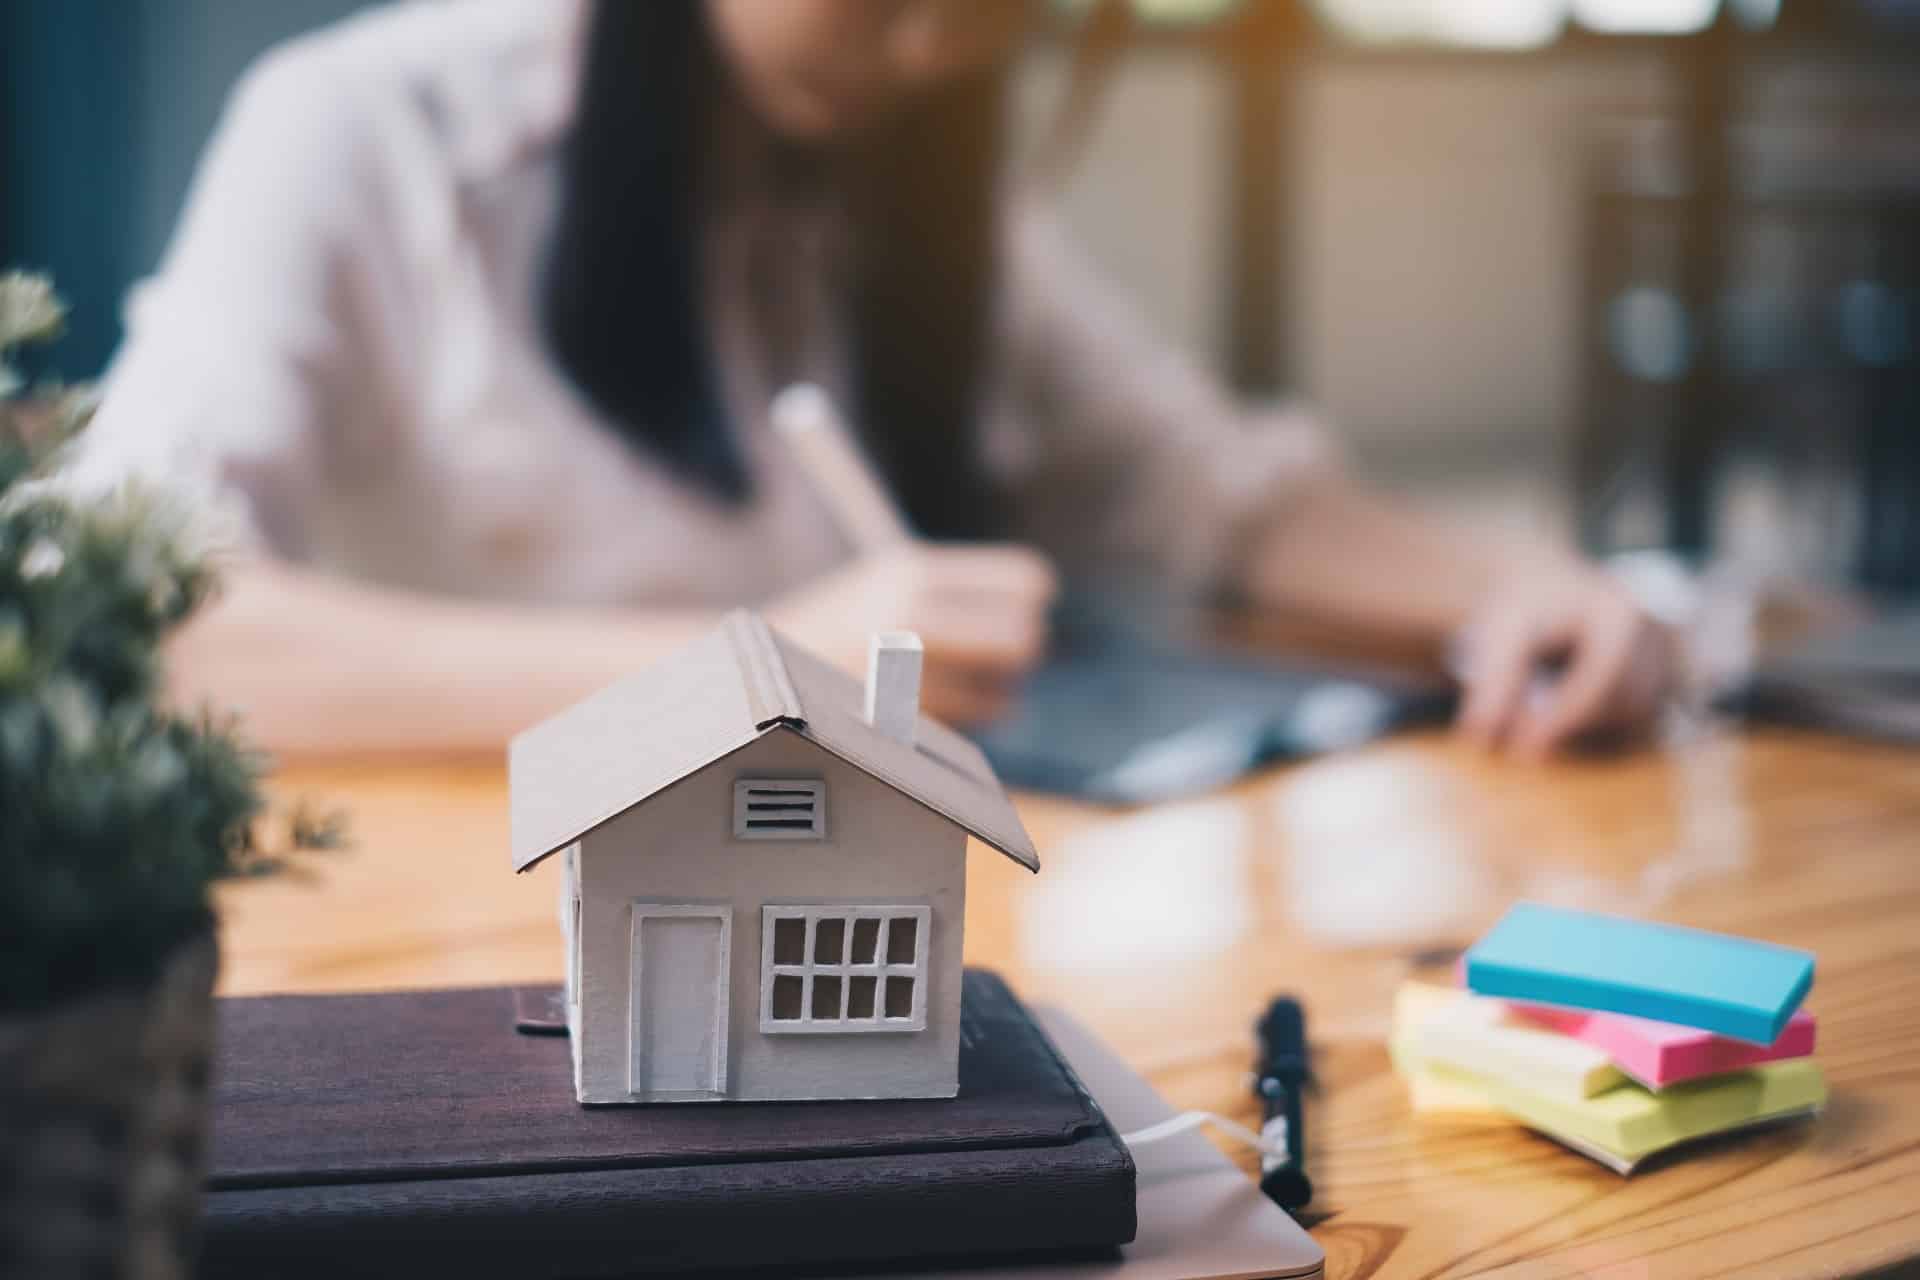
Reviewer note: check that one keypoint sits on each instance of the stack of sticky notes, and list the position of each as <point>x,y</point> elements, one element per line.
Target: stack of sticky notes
<point>1619,1038</point>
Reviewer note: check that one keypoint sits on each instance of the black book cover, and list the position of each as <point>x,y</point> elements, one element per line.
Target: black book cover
<point>416,1133</point>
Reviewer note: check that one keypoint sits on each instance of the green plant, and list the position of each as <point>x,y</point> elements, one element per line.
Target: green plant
<point>116,814</point>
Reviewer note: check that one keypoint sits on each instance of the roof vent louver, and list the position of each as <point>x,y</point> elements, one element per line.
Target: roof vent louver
<point>779,809</point>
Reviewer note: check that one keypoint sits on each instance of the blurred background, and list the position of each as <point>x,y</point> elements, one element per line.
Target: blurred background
<point>1645,269</point>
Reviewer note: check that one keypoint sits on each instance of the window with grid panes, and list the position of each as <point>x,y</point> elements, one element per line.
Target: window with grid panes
<point>832,970</point>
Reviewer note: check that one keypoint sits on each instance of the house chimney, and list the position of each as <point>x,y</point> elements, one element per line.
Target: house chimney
<point>893,684</point>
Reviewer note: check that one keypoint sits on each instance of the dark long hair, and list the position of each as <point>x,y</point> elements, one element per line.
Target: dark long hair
<point>622,303</point>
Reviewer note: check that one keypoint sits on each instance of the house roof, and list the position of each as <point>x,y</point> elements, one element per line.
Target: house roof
<point>635,738</point>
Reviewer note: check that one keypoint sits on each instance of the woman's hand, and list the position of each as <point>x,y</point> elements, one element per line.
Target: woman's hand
<point>980,610</point>
<point>1612,664</point>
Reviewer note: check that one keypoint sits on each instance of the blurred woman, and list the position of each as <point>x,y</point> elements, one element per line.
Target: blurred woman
<point>472,321</point>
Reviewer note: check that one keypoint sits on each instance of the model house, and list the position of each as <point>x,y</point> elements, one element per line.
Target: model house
<point>763,873</point>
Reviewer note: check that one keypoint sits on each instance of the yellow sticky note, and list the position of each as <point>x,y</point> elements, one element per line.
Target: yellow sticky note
<point>1632,1122</point>
<point>1618,1127</point>
<point>1483,1037</point>
<point>1414,1004</point>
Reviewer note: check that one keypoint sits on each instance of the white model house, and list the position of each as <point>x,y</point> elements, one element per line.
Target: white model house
<point>764,873</point>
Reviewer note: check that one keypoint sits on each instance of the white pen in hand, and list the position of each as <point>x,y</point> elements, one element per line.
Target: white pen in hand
<point>981,609</point>
<point>820,439</point>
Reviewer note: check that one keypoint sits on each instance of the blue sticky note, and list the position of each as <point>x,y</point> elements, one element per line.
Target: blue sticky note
<point>1731,986</point>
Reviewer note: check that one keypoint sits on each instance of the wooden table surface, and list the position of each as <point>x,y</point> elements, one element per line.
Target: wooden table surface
<point>1166,929</point>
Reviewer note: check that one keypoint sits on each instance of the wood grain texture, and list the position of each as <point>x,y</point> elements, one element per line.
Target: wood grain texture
<point>1166,929</point>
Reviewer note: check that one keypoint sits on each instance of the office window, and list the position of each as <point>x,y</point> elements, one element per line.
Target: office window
<point>779,809</point>
<point>832,970</point>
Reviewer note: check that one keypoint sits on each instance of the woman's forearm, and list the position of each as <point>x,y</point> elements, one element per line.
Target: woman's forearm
<point>1358,559</point>
<point>320,665</point>
<point>1547,647</point>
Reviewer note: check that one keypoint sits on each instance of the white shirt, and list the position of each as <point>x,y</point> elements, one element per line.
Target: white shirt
<point>339,353</point>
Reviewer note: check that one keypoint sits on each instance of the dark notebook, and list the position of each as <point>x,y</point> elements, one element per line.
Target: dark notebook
<point>418,1133</point>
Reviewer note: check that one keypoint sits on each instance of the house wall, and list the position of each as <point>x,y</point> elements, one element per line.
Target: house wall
<point>881,848</point>
<point>570,936</point>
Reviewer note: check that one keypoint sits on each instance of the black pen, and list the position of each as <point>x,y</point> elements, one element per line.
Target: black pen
<point>1279,1075</point>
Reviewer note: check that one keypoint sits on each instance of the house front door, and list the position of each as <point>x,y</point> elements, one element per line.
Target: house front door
<point>678,1027</point>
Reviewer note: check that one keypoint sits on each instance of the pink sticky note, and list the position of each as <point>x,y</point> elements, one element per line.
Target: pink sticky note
<point>1658,1054</point>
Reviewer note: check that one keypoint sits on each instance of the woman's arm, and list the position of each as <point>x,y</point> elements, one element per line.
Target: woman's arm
<point>320,665</point>
<point>1122,445</point>
<point>1509,612</point>
<point>1324,554</point>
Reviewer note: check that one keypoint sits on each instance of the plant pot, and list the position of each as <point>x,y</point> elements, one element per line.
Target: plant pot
<point>103,1126</point>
